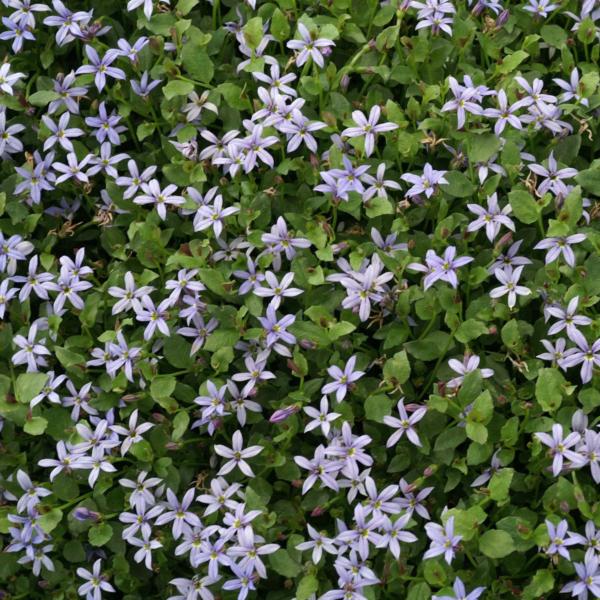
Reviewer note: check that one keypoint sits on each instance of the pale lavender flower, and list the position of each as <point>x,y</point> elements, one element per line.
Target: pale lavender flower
<point>236,455</point>
<point>443,540</point>
<point>462,102</point>
<point>554,353</point>
<point>179,514</point>
<point>377,185</point>
<point>560,538</point>
<point>492,218</point>
<point>411,501</point>
<point>560,245</point>
<point>540,8</point>
<point>569,321</point>
<point>73,168</point>
<point>48,391</point>
<point>61,133</point>
<point>141,496</point>
<point>460,592</point>
<point>309,46</point>
<point>101,67</point>
<point>34,281</point>
<point>276,81</point>
<point>197,104</point>
<point>505,113</point>
<point>350,448</point>
<point>320,418</point>
<point>590,451</point>
<point>368,128</point>
<point>363,533</point>
<point>317,543</point>
<point>144,86</point>
<point>404,425</point>
<point>426,183</point>
<point>107,126</point>
<point>66,460</point>
<point>160,198</point>
<point>68,95</point>
<point>145,545</point>
<point>95,582</point>
<point>571,88</point>
<point>510,285</point>
<point>8,79</point>
<point>585,355</point>
<point>213,216</point>
<point>33,494</point>
<point>277,289</point>
<point>299,130</point>
<point>441,268</point>
<point>155,316</point>
<point>16,32</point>
<point>319,468</point>
<point>559,447</point>
<point>31,352</point>
<point>129,296</point>
<point>510,259</point>
<point>147,6</point>
<point>393,534</point>
<point>199,331</point>
<point>135,179</point>
<point>342,379</point>
<point>133,434</point>
<point>588,579</point>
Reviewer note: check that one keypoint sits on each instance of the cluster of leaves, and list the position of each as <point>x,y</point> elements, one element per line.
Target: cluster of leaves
<point>205,57</point>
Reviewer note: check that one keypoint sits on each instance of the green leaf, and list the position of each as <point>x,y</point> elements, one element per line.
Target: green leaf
<point>145,130</point>
<point>68,358</point>
<point>308,586</point>
<point>477,432</point>
<point>42,98</point>
<point>459,185</point>
<point>177,88</point>
<point>433,346</point>
<point>496,543</point>
<point>253,32</point>
<point>378,406</point>
<point>419,591</point>
<point>197,63</point>
<point>511,62</point>
<point>280,26</point>
<point>483,147</point>
<point>185,6</point>
<point>397,368</point>
<point>589,180</point>
<point>524,206</point>
<point>554,35</point>
<point>284,564</point>
<point>541,583</point>
<point>470,330</point>
<point>73,551</point>
<point>100,534</point>
<point>142,451</point>
<point>549,389</point>
<point>162,386</point>
<point>500,484</point>
<point>29,385</point>
<point>49,521</point>
<point>180,425</point>
<point>35,426</point>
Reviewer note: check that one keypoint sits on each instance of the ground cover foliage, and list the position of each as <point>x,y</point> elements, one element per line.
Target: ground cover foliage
<point>298,299</point>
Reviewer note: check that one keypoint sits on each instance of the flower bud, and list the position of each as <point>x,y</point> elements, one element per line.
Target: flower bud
<point>502,18</point>
<point>81,513</point>
<point>283,413</point>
